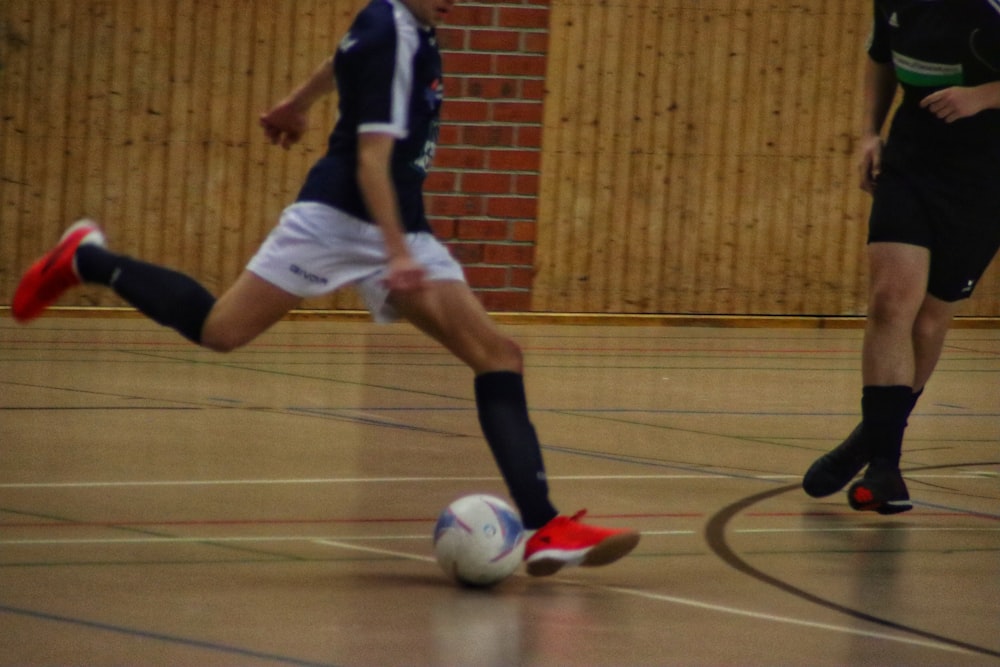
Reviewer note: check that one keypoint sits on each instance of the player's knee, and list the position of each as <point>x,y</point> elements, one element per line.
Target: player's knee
<point>890,304</point>
<point>514,354</point>
<point>502,353</point>
<point>889,312</point>
<point>221,341</point>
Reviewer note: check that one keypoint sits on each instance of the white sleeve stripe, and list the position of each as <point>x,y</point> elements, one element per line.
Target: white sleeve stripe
<point>402,79</point>
<point>995,4</point>
<point>383,128</point>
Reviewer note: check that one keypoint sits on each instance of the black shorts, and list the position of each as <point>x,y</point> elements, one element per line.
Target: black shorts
<point>958,222</point>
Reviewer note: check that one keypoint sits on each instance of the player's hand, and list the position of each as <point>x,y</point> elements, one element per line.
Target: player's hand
<point>951,104</point>
<point>284,124</point>
<point>405,275</point>
<point>871,162</point>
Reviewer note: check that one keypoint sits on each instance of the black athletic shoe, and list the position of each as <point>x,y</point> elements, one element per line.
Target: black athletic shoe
<point>832,471</point>
<point>881,490</point>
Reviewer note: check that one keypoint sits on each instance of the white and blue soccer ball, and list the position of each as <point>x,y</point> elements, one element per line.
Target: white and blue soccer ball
<point>479,540</point>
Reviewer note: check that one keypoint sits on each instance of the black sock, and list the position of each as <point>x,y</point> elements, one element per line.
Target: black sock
<point>165,296</point>
<point>884,411</point>
<point>503,415</point>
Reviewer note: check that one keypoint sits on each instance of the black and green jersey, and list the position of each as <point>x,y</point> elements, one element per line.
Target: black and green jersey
<point>935,44</point>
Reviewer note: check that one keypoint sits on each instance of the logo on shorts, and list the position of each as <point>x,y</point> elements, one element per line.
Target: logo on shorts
<point>348,42</point>
<point>968,287</point>
<point>305,275</point>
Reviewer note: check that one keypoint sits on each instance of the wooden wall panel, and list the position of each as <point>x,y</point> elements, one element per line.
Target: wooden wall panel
<point>144,116</point>
<point>699,157</point>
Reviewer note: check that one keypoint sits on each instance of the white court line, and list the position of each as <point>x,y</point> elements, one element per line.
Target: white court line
<point>399,480</point>
<point>383,552</point>
<point>734,611</point>
<point>761,616</point>
<point>427,536</point>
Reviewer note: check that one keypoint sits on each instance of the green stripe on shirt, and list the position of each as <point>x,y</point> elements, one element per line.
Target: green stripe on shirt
<point>926,74</point>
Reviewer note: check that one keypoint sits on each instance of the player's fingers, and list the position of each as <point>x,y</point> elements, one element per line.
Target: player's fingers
<point>868,183</point>
<point>931,99</point>
<point>270,131</point>
<point>870,172</point>
<point>405,281</point>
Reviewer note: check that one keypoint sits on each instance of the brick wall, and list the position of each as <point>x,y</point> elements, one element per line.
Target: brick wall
<point>482,192</point>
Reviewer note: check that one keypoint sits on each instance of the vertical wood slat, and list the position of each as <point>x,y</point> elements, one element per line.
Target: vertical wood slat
<point>848,204</point>
<point>16,25</point>
<point>125,63</point>
<point>564,125</point>
<point>729,251</point>
<point>634,201</point>
<point>138,228</point>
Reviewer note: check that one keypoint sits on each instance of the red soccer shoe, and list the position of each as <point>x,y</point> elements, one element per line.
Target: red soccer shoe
<point>54,273</point>
<point>565,541</point>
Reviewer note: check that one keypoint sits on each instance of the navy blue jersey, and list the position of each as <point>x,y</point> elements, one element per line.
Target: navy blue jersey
<point>388,73</point>
<point>935,44</point>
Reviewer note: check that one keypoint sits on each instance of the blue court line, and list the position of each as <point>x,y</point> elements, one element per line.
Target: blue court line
<point>134,632</point>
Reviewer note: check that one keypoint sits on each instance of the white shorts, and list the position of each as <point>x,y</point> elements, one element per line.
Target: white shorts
<point>316,249</point>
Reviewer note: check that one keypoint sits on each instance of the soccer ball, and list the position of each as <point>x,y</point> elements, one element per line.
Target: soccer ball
<point>479,540</point>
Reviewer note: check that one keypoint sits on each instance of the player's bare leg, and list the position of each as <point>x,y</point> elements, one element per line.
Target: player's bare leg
<point>896,342</point>
<point>898,285</point>
<point>899,274</point>
<point>929,332</point>
<point>451,314</point>
<point>247,309</point>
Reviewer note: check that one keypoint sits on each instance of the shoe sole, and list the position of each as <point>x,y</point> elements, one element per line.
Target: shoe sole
<point>862,499</point>
<point>605,553</point>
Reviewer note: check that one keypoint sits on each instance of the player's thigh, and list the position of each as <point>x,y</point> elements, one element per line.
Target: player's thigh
<point>898,272</point>
<point>450,313</point>
<point>246,310</point>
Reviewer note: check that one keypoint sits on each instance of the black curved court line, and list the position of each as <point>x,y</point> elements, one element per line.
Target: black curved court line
<point>715,536</point>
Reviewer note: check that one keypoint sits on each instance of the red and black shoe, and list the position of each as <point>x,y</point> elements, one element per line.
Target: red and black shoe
<point>832,471</point>
<point>881,490</point>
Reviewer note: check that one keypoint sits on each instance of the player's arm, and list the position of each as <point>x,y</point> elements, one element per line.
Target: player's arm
<point>879,92</point>
<point>375,182</point>
<point>287,121</point>
<point>958,102</point>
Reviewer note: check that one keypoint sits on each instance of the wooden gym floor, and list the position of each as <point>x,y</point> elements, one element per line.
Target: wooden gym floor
<point>163,505</point>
